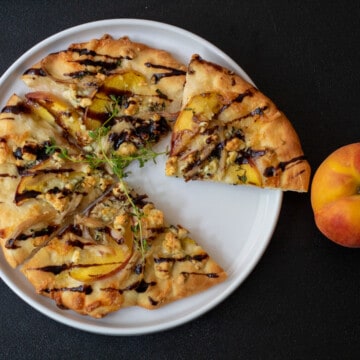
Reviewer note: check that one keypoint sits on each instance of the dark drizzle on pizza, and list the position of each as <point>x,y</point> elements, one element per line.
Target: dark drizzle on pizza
<point>10,243</point>
<point>20,108</point>
<point>86,289</point>
<point>271,170</point>
<point>39,150</point>
<point>245,156</point>
<point>140,286</point>
<point>5,175</point>
<point>209,275</point>
<point>31,194</point>
<point>199,257</point>
<point>58,269</point>
<point>238,99</point>
<point>101,66</point>
<point>158,76</point>
<point>35,72</point>
<point>142,132</point>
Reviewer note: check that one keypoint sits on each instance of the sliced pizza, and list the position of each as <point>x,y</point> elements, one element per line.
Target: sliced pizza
<point>228,131</point>
<point>132,89</point>
<point>41,200</point>
<point>120,253</point>
<point>26,132</point>
<point>24,140</point>
<point>39,188</point>
<point>82,236</point>
<point>130,68</point>
<point>24,228</point>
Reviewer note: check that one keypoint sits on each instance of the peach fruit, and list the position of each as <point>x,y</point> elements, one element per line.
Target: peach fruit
<point>335,196</point>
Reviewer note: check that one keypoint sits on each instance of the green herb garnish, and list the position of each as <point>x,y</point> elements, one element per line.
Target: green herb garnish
<point>243,177</point>
<point>115,162</point>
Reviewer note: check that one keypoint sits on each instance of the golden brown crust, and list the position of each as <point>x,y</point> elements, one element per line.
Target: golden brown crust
<point>24,228</point>
<point>70,270</point>
<point>23,139</point>
<point>100,261</point>
<point>37,189</point>
<point>259,146</point>
<point>143,84</point>
<point>79,72</point>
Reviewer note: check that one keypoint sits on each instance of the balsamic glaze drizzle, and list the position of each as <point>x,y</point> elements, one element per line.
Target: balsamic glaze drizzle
<point>101,66</point>
<point>158,76</point>
<point>245,156</point>
<point>238,99</point>
<point>86,289</point>
<point>57,269</point>
<point>271,170</point>
<point>139,286</point>
<point>142,132</point>
<point>45,171</point>
<point>26,195</point>
<point>16,109</point>
<point>199,257</point>
<point>35,71</point>
<point>152,301</point>
<point>8,176</point>
<point>209,275</point>
<point>10,243</point>
<point>39,150</point>
<point>80,74</point>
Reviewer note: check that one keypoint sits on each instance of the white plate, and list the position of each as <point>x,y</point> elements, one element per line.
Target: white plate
<point>234,224</point>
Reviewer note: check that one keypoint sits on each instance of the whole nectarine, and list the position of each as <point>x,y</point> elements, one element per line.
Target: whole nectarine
<point>335,196</point>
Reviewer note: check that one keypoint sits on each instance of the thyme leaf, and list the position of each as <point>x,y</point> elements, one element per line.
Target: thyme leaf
<point>243,178</point>
<point>117,164</point>
<point>63,153</point>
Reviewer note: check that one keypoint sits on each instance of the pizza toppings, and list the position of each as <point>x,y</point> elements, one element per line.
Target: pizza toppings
<point>81,235</point>
<point>33,234</point>
<point>94,265</point>
<point>79,72</point>
<point>227,131</point>
<point>112,97</point>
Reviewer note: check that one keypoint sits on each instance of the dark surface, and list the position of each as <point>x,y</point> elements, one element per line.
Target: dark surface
<point>302,300</point>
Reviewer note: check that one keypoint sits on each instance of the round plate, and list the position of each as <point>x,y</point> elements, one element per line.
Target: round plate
<point>233,223</point>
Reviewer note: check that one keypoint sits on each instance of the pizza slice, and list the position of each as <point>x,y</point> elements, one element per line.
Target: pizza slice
<point>38,187</point>
<point>26,131</point>
<point>129,87</point>
<point>41,200</point>
<point>24,228</point>
<point>228,131</point>
<point>120,253</point>
<point>65,184</point>
<point>24,140</point>
<point>78,72</point>
<point>109,132</point>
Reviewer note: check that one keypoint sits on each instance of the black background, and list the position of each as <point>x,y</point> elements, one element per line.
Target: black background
<point>302,299</point>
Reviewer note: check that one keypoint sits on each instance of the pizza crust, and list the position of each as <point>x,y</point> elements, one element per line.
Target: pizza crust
<point>27,220</point>
<point>79,72</point>
<point>143,85</point>
<point>71,228</point>
<point>262,136</point>
<point>172,267</point>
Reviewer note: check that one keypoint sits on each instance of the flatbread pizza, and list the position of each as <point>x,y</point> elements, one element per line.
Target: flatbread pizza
<point>70,220</point>
<point>109,258</point>
<point>228,131</point>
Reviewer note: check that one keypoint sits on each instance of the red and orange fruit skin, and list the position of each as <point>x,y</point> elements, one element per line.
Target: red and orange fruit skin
<point>335,196</point>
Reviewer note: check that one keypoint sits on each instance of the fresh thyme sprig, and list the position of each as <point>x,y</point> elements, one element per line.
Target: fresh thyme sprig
<point>53,148</point>
<point>118,164</point>
<point>113,111</point>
